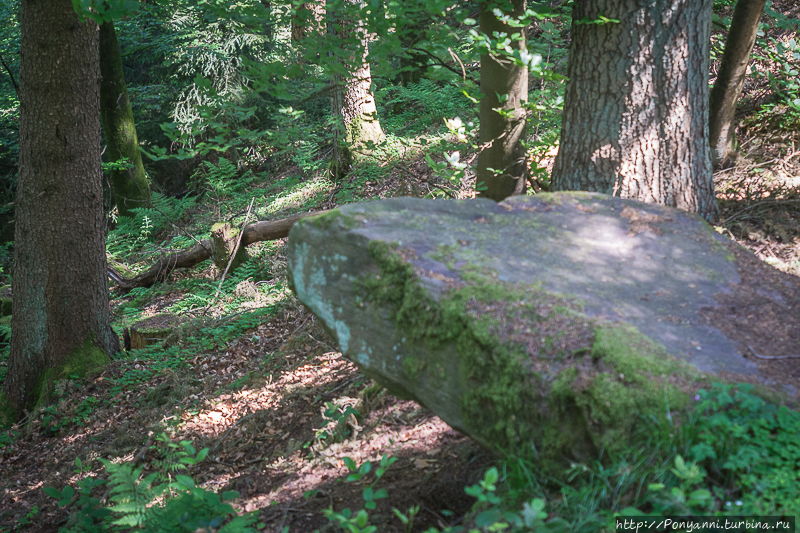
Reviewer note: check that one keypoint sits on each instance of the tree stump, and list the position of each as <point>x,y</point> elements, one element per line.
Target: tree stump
<point>150,331</point>
<point>224,238</point>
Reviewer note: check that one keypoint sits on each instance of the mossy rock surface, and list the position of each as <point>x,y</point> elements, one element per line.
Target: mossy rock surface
<point>553,321</point>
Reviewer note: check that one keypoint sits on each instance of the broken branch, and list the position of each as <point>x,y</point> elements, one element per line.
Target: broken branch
<point>264,230</point>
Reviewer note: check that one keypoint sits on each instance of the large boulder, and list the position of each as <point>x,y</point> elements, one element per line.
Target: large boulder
<point>553,321</point>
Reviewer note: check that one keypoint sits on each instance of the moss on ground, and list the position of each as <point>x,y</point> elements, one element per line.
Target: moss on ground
<point>81,362</point>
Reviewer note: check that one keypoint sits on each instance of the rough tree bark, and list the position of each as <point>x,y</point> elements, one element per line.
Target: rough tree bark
<point>353,103</point>
<point>307,19</point>
<point>635,119</point>
<point>502,162</point>
<point>129,185</point>
<point>60,294</point>
<point>730,79</point>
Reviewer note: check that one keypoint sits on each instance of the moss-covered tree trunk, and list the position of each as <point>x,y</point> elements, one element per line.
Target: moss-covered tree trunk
<point>60,296</point>
<point>502,162</point>
<point>730,79</point>
<point>353,103</point>
<point>635,119</point>
<point>129,184</point>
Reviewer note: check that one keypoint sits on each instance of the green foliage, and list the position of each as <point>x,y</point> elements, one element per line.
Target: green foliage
<point>732,454</point>
<point>358,522</point>
<point>9,100</point>
<point>220,180</point>
<point>781,57</point>
<point>154,503</point>
<point>147,223</point>
<point>416,107</point>
<point>340,421</point>
<point>751,448</point>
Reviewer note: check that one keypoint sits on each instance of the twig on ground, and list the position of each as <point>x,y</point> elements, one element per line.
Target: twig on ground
<point>772,357</point>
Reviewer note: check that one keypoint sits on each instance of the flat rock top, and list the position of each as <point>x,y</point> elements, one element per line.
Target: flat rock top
<point>662,270</point>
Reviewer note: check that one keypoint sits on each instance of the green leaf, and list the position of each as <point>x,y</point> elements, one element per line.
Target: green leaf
<point>350,464</point>
<point>52,492</point>
<point>229,495</point>
<point>361,518</point>
<point>185,481</point>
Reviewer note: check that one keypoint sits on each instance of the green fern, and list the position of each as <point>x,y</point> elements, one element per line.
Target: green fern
<point>130,494</point>
<point>134,504</point>
<point>220,180</point>
<point>424,103</point>
<point>147,223</point>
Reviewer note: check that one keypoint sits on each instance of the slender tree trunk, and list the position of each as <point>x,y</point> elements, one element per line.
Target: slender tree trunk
<point>269,29</point>
<point>60,318</point>
<point>730,80</point>
<point>502,162</point>
<point>635,119</point>
<point>129,185</point>
<point>353,103</point>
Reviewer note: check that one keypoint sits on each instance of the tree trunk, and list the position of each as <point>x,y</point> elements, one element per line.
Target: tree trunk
<point>730,80</point>
<point>60,322</point>
<point>269,22</point>
<point>502,162</point>
<point>635,119</point>
<point>129,185</point>
<point>353,103</point>
<point>307,19</point>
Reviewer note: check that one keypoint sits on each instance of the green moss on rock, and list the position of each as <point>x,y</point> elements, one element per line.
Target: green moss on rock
<point>326,220</point>
<point>536,372</point>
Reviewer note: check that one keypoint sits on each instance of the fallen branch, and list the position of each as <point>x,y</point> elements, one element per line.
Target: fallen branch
<point>265,230</point>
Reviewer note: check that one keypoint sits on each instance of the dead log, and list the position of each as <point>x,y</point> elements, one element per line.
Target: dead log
<point>264,230</point>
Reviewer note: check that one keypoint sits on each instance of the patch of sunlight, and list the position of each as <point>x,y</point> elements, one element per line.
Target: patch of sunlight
<point>298,195</point>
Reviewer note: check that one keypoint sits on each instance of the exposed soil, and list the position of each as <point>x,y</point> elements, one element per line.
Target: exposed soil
<point>263,436</point>
<point>765,322</point>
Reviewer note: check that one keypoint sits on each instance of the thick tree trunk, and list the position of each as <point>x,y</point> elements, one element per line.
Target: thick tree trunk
<point>636,108</point>
<point>730,80</point>
<point>353,103</point>
<point>60,311</point>
<point>307,19</point>
<point>129,185</point>
<point>502,162</point>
